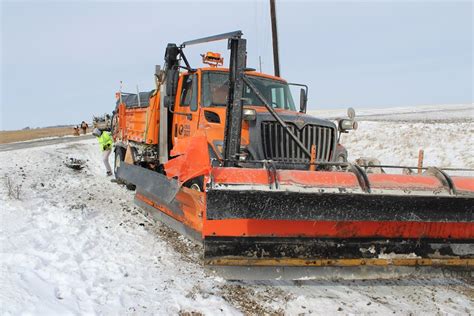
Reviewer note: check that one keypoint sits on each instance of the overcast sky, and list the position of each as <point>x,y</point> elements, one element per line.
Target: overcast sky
<point>61,62</point>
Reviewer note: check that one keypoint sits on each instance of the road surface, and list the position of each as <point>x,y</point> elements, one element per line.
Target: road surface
<point>42,142</point>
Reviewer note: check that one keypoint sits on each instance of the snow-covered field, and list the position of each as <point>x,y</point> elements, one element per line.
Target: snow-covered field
<point>75,243</point>
<point>445,133</point>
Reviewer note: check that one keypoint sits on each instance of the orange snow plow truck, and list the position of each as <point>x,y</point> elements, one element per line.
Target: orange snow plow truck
<point>223,156</point>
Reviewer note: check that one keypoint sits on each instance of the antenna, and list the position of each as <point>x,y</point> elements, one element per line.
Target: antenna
<point>138,95</point>
<point>120,90</point>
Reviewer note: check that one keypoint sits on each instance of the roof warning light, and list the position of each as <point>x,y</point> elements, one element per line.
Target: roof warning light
<point>212,59</point>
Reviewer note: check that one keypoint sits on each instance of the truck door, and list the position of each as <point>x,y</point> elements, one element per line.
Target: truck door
<point>187,116</point>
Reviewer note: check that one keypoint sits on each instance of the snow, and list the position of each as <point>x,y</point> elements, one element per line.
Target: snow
<point>50,138</point>
<point>396,143</point>
<point>443,132</point>
<point>75,243</point>
<point>426,113</point>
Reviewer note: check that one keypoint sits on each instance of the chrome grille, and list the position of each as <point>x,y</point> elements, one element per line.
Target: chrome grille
<point>278,146</point>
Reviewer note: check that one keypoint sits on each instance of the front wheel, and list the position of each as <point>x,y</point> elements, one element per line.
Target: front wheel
<point>196,184</point>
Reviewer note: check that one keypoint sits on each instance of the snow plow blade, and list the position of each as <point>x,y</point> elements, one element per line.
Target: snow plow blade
<point>328,219</point>
<point>317,221</point>
<point>157,186</point>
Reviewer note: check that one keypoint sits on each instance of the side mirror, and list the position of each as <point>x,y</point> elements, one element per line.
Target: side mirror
<point>169,102</point>
<point>172,79</point>
<point>303,100</point>
<point>351,113</point>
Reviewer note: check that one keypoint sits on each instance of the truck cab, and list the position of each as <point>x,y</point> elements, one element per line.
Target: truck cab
<point>265,125</point>
<point>201,104</point>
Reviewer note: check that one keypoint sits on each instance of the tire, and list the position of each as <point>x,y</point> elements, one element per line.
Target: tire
<point>119,158</point>
<point>196,184</point>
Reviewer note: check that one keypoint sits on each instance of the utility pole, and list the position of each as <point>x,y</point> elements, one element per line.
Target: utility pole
<point>276,60</point>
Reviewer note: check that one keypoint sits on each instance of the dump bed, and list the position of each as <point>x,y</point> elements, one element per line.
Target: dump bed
<point>138,117</point>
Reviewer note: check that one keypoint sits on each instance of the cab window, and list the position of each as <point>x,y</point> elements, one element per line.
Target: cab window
<point>189,92</point>
<point>215,88</point>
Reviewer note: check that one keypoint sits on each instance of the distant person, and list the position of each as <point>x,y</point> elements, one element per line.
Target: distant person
<point>105,142</point>
<point>76,131</point>
<point>84,127</point>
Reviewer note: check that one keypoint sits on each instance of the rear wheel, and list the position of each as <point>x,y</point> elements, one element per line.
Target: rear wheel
<point>119,158</point>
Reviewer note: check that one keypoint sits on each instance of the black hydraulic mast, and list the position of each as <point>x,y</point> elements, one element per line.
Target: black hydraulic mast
<point>233,123</point>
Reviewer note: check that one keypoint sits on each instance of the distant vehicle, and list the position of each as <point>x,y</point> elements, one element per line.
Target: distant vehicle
<point>103,122</point>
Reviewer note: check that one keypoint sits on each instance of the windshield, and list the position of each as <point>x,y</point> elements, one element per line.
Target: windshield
<point>215,87</point>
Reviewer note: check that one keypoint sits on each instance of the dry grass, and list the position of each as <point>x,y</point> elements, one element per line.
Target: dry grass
<point>14,190</point>
<point>17,136</point>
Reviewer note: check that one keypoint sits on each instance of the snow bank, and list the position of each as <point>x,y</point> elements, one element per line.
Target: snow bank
<point>75,243</point>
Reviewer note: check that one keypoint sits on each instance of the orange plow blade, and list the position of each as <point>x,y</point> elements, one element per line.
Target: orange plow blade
<point>304,218</point>
<point>318,220</point>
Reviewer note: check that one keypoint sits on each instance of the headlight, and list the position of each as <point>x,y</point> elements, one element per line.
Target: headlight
<point>345,125</point>
<point>249,115</point>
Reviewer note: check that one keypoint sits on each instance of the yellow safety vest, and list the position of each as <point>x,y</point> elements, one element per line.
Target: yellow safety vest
<point>105,141</point>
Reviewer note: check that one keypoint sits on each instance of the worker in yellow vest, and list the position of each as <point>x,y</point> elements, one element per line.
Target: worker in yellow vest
<point>105,142</point>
